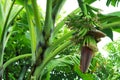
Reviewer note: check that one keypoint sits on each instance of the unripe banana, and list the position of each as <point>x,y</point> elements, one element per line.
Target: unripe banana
<point>90,42</point>
<point>83,31</point>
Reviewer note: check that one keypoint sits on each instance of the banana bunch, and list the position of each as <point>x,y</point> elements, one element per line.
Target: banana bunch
<point>86,35</point>
<point>83,31</point>
<point>80,34</point>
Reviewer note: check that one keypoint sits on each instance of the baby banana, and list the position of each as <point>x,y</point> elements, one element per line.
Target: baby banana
<point>83,31</point>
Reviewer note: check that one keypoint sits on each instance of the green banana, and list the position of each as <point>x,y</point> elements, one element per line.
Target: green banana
<point>83,31</point>
<point>90,42</point>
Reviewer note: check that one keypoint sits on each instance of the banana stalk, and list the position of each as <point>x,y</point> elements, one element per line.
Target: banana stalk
<point>48,26</point>
<point>83,7</point>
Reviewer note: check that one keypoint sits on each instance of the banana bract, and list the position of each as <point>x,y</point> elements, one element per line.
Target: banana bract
<point>88,48</point>
<point>86,56</point>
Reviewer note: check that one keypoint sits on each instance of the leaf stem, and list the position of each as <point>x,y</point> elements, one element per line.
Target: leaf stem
<point>57,6</point>
<point>58,42</point>
<point>32,32</point>
<point>5,24</point>
<point>36,14</point>
<point>15,59</point>
<point>62,23</point>
<point>50,56</point>
<point>2,45</point>
<point>48,26</point>
<point>110,25</point>
<point>39,29</point>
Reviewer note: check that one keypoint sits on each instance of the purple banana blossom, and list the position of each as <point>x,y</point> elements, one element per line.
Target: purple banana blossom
<point>86,56</point>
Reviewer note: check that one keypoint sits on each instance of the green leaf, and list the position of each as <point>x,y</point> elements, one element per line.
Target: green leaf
<point>57,5</point>
<point>1,19</point>
<point>108,2</point>
<point>111,20</point>
<point>110,25</point>
<point>114,14</point>
<point>15,59</point>
<point>108,32</point>
<point>116,28</point>
<point>58,42</point>
<point>111,17</point>
<point>112,2</point>
<point>62,62</point>
<point>15,11</point>
<point>32,31</point>
<point>86,76</point>
<point>21,2</point>
<point>57,62</point>
<point>89,1</point>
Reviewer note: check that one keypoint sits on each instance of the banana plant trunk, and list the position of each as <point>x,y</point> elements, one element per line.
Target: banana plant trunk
<point>1,61</point>
<point>1,74</point>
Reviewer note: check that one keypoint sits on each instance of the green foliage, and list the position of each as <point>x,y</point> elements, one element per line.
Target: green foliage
<point>108,68</point>
<point>109,23</point>
<point>55,55</point>
<point>18,44</point>
<point>100,68</point>
<point>112,2</point>
<point>21,2</point>
<point>108,32</point>
<point>89,1</point>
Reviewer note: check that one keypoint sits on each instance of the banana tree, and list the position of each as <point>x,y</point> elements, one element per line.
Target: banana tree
<point>85,28</point>
<point>87,32</point>
<point>44,49</point>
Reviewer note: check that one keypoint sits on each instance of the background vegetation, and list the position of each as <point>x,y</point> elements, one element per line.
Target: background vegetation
<point>41,46</point>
